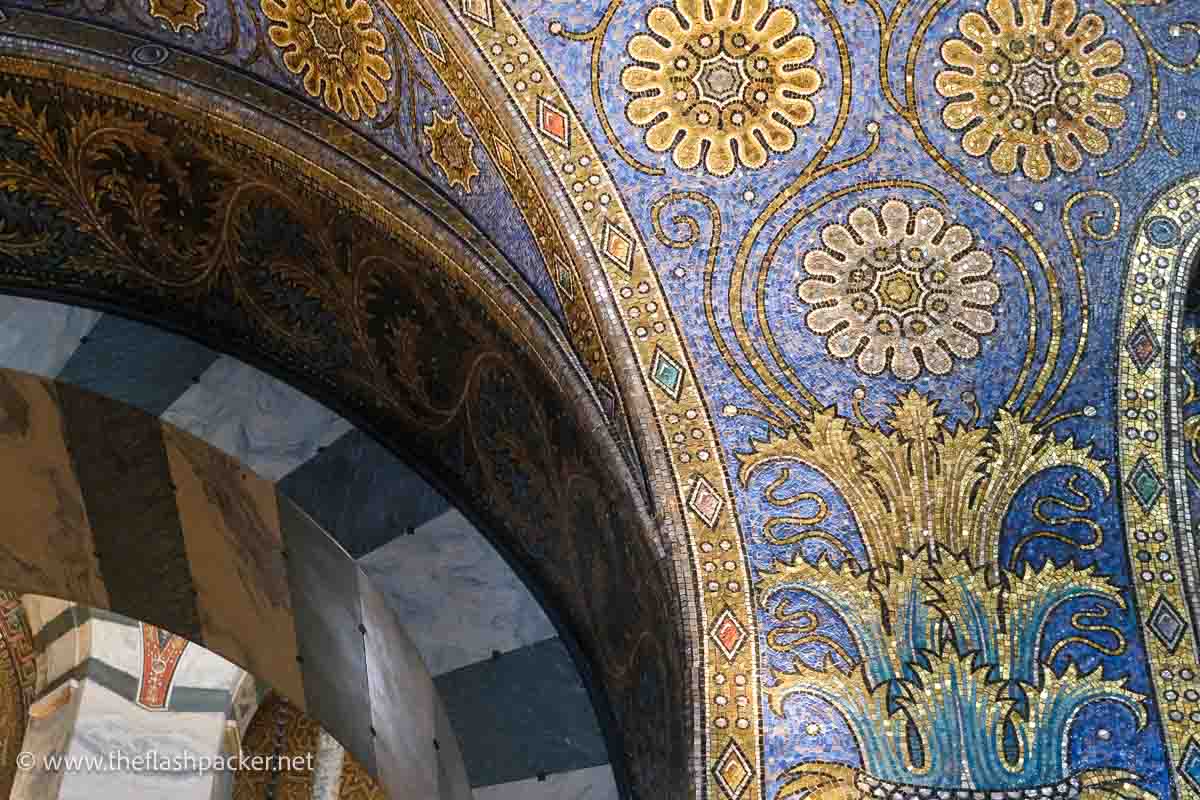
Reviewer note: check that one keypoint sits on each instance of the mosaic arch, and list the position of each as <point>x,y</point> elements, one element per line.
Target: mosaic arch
<point>383,311</point>
<point>862,283</point>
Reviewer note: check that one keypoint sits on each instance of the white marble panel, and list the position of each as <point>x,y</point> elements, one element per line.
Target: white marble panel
<point>39,337</point>
<point>117,645</point>
<point>108,724</point>
<point>455,596</point>
<point>64,654</point>
<point>51,721</point>
<point>205,669</point>
<point>594,783</point>
<point>266,424</point>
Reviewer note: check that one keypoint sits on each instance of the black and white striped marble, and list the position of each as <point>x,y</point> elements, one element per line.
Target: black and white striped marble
<point>493,652</point>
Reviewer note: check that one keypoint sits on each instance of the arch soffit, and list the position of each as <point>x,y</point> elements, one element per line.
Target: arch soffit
<point>116,510</point>
<point>460,602</point>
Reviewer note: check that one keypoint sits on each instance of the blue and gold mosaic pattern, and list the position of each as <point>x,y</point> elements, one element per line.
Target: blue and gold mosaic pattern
<point>910,284</point>
<point>903,243</point>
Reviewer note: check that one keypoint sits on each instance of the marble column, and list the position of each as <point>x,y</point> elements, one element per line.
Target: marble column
<point>138,709</point>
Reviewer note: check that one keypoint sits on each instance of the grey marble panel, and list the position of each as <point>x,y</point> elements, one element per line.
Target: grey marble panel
<point>119,646</point>
<point>458,598</point>
<point>323,581</point>
<point>595,783</point>
<point>108,724</point>
<point>453,783</point>
<point>39,337</point>
<point>522,714</point>
<point>266,424</point>
<point>139,365</point>
<point>403,702</point>
<point>361,493</point>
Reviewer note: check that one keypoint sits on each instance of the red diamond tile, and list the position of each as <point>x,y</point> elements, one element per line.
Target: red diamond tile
<point>554,123</point>
<point>617,246</point>
<point>705,501</point>
<point>729,634</point>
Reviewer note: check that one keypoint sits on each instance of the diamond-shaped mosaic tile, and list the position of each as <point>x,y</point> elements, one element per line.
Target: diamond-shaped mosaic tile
<point>1143,480</point>
<point>553,122</point>
<point>617,246</point>
<point>506,158</point>
<point>1189,765</point>
<point>1166,623</point>
<point>733,771</point>
<point>431,42</point>
<point>608,401</point>
<point>564,277</point>
<point>729,634</point>
<point>666,373</point>
<point>704,500</point>
<point>1142,345</point>
<point>480,11</point>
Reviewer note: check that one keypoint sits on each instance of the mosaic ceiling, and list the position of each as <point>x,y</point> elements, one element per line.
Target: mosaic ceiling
<point>891,296</point>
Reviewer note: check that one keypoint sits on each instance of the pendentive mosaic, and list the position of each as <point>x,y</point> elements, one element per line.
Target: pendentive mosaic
<point>909,286</point>
<point>336,293</point>
<point>899,330</point>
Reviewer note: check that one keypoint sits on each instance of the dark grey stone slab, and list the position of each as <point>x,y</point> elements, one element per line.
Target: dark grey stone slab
<point>120,460</point>
<point>403,706</point>
<point>361,493</point>
<point>324,587</point>
<point>139,365</point>
<point>522,714</point>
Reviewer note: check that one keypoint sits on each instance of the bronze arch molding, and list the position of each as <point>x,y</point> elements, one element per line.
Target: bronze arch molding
<point>209,219</point>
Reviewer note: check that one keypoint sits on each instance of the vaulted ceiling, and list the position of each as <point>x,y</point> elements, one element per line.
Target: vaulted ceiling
<point>878,311</point>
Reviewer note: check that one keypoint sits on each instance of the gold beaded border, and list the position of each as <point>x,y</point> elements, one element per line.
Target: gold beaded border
<point>1162,554</point>
<point>731,726</point>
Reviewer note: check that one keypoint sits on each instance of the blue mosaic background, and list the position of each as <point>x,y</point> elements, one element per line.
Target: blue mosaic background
<point>989,376</point>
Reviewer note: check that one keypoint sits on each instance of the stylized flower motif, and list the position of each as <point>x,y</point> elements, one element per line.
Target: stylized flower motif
<point>451,150</point>
<point>726,74</point>
<point>179,14</point>
<point>899,289</point>
<point>333,45</point>
<point>1034,82</point>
